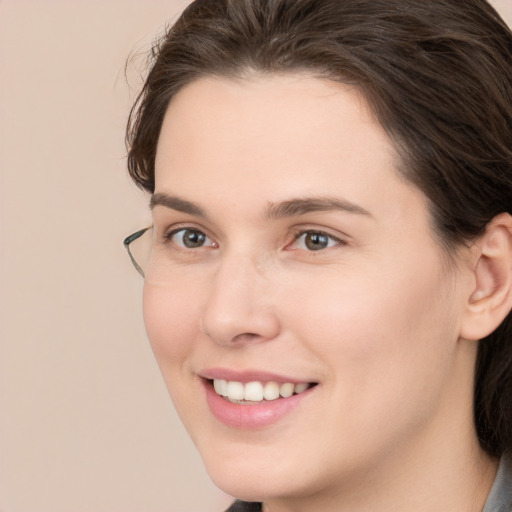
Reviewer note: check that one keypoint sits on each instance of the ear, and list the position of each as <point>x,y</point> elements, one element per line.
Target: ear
<point>490,300</point>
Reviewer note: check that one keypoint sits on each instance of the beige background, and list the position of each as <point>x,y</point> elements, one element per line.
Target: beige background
<point>85,421</point>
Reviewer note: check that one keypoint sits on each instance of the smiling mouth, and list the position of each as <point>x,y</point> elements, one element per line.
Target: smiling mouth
<point>257,392</point>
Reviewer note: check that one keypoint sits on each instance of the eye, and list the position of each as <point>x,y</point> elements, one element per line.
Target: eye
<point>190,238</point>
<point>315,241</point>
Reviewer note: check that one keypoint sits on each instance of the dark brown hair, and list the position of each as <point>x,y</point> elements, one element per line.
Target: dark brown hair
<point>437,75</point>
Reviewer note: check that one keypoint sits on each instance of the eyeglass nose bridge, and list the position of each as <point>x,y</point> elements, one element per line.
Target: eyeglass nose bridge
<point>128,241</point>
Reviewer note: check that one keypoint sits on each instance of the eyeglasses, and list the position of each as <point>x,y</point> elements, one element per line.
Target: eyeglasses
<point>151,256</point>
<point>138,246</point>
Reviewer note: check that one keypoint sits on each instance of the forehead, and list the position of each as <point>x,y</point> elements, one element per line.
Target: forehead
<point>278,120</point>
<point>270,138</point>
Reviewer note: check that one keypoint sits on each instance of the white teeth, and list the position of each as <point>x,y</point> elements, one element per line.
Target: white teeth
<point>271,391</point>
<point>253,391</point>
<point>299,388</point>
<point>286,390</point>
<point>221,387</point>
<point>257,391</point>
<point>235,390</point>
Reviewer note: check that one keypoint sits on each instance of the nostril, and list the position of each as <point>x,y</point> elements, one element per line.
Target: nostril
<point>246,336</point>
<point>228,322</point>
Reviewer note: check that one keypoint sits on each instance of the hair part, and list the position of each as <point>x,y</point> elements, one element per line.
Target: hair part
<point>438,77</point>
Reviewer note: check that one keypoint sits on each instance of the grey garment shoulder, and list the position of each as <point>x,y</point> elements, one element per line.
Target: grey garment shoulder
<point>244,506</point>
<point>500,497</point>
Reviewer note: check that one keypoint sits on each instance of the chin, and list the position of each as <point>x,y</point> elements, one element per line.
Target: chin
<point>252,485</point>
<point>251,476</point>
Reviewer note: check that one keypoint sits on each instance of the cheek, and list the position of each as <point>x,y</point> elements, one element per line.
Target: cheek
<point>387,346</point>
<point>172,320</point>
<point>378,324</point>
<point>172,323</point>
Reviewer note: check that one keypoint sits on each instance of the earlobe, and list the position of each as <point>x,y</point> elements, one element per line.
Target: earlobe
<point>490,300</point>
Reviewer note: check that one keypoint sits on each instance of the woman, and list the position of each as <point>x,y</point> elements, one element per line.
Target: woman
<point>329,285</point>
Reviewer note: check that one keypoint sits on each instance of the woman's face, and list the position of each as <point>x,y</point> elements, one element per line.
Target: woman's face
<point>292,255</point>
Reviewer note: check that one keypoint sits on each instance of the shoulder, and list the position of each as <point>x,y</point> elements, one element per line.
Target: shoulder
<point>244,506</point>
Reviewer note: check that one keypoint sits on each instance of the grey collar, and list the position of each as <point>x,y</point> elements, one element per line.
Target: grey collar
<point>500,497</point>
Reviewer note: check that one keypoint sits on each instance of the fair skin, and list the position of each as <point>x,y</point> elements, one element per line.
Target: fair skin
<point>373,315</point>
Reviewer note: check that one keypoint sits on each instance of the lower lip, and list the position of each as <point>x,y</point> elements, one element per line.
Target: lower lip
<point>251,416</point>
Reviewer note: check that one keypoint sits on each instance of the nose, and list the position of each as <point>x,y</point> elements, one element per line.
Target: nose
<point>238,307</point>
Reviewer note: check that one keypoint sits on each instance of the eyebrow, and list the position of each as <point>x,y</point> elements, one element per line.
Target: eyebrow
<point>302,206</point>
<point>176,203</point>
<point>290,208</point>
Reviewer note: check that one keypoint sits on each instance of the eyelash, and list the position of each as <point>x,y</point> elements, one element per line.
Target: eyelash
<point>327,236</point>
<point>331,240</point>
<point>168,237</point>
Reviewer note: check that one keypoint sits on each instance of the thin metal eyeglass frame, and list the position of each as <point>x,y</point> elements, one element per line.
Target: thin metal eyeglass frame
<point>128,240</point>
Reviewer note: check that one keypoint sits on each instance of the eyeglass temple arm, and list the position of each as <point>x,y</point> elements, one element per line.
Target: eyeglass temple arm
<point>127,241</point>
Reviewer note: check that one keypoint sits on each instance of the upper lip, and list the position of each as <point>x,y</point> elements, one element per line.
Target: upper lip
<point>249,375</point>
